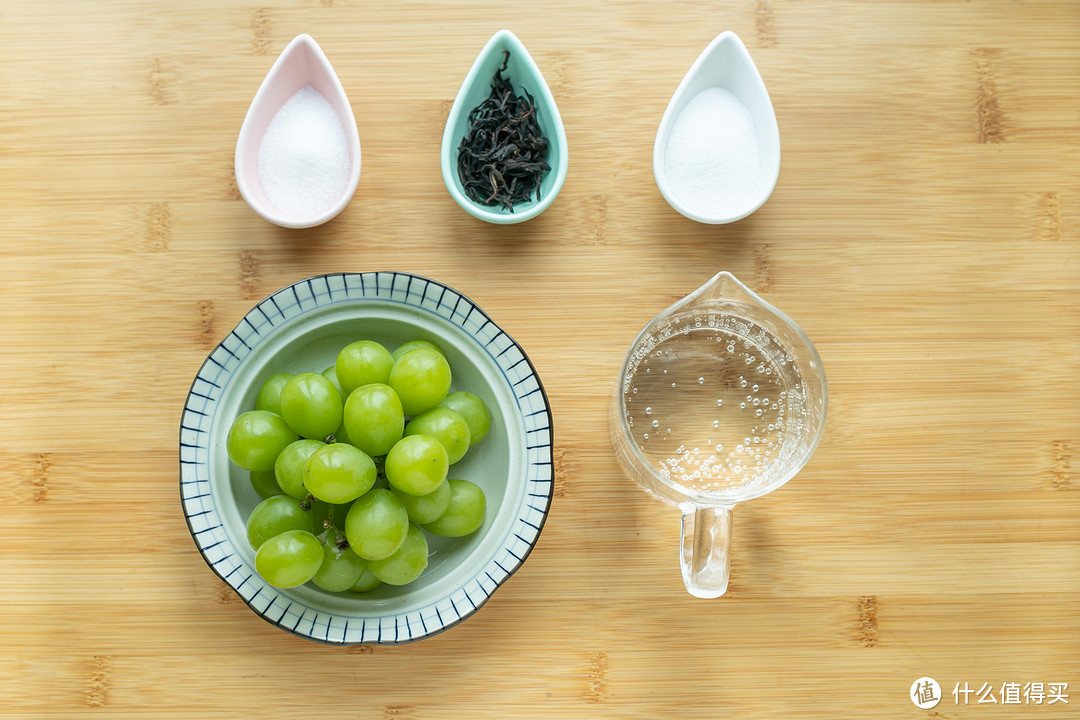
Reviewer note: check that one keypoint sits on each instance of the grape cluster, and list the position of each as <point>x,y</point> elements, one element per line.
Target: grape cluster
<point>349,486</point>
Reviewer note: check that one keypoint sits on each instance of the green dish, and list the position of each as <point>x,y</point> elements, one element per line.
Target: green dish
<point>302,327</point>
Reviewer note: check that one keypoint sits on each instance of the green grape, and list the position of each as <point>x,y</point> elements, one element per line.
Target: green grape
<point>265,483</point>
<point>330,374</point>
<point>416,464</point>
<point>275,515</point>
<point>367,581</point>
<point>289,559</point>
<point>473,409</point>
<point>407,562</point>
<point>339,473</point>
<point>465,514</point>
<point>362,363</point>
<point>376,525</point>
<point>374,419</point>
<point>412,345</point>
<point>421,378</point>
<point>269,397</point>
<point>311,405</point>
<point>256,438</point>
<point>289,467</point>
<point>445,425</point>
<point>426,508</point>
<point>340,569</point>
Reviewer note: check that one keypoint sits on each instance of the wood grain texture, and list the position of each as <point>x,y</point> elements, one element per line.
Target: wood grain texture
<point>923,232</point>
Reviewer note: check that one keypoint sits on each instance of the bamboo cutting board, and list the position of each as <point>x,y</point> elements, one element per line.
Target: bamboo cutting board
<point>923,233</point>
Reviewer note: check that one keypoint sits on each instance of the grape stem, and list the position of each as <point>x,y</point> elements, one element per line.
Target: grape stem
<point>331,530</point>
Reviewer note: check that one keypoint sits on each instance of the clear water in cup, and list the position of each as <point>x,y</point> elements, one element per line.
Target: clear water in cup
<point>714,403</point>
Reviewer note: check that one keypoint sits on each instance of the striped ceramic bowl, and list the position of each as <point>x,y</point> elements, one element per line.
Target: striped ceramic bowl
<point>302,327</point>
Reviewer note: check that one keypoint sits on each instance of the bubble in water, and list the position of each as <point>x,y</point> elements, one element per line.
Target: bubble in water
<point>757,401</point>
<point>648,370</point>
<point>665,371</point>
<point>656,423</point>
<point>716,423</point>
<point>755,388</point>
<point>738,448</point>
<point>719,402</point>
<point>773,406</point>
<point>633,390</point>
<point>768,371</point>
<point>648,411</point>
<point>758,412</point>
<point>742,405</point>
<point>749,359</point>
<point>668,431</point>
<point>700,380</point>
<point>761,367</point>
<point>742,382</point>
<point>719,448</point>
<point>672,384</point>
<point>737,468</point>
<point>646,436</point>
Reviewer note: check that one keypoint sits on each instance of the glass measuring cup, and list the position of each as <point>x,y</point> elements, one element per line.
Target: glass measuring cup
<point>722,398</point>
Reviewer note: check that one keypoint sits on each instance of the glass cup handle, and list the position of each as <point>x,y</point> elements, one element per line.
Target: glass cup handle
<point>705,551</point>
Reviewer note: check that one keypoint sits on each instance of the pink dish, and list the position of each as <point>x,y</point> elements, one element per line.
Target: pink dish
<point>301,63</point>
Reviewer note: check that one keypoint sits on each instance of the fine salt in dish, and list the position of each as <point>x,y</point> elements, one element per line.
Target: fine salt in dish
<point>712,159</point>
<point>304,157</point>
<point>716,158</point>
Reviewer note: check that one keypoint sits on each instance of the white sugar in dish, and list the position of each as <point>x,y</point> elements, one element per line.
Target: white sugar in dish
<point>712,160</point>
<point>303,157</point>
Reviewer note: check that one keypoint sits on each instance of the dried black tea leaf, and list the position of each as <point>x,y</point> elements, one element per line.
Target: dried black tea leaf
<point>501,160</point>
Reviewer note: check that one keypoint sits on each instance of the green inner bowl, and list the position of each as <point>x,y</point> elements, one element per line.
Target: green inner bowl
<point>311,343</point>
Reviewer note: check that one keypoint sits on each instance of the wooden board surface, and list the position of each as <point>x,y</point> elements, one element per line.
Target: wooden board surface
<point>923,232</point>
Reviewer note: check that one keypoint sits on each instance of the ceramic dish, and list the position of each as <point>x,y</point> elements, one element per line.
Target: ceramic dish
<point>301,63</point>
<point>726,64</point>
<point>301,327</point>
<point>523,73</point>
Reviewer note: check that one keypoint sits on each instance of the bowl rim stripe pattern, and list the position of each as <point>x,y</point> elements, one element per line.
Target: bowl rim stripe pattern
<point>201,512</point>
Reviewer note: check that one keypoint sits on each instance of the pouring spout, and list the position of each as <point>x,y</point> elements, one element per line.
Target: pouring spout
<point>723,287</point>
